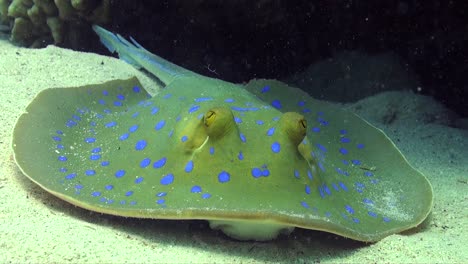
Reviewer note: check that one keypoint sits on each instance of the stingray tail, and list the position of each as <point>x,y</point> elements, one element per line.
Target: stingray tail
<point>133,53</point>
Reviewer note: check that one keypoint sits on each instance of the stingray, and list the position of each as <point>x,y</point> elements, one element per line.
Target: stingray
<point>255,160</point>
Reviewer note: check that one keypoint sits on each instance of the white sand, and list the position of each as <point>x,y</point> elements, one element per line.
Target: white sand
<point>37,227</point>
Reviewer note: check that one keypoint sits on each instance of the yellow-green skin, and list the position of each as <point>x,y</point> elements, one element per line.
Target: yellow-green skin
<point>254,160</point>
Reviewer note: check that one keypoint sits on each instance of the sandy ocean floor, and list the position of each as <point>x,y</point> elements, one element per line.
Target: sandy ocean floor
<point>37,227</point>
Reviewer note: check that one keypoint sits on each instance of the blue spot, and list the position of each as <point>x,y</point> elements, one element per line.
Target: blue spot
<point>212,150</point>
<point>96,194</point>
<point>117,103</point>
<point>345,140</point>
<point>154,110</point>
<point>322,121</point>
<point>124,137</point>
<point>161,194</point>
<point>189,166</point>
<point>109,187</point>
<point>322,168</point>
<point>160,201</point>
<point>167,96</point>
<point>316,129</point>
<point>57,138</point>
<point>276,104</point>
<point>224,177</point>
<point>203,99</point>
<point>368,201</point>
<point>63,169</point>
<point>105,92</point>
<point>355,220</point>
<point>306,110</point>
<point>305,205</point>
<point>309,175</point>
<point>307,189</point>
<point>194,108</point>
<point>242,137</point>
<point>77,118</point>
<point>360,146</point>
<point>301,103</point>
<point>136,89</point>
<point>60,132</point>
<point>133,128</point>
<point>140,145</point>
<point>102,102</point>
<point>345,162</point>
<point>259,122</point>
<point>349,209</point>
<point>160,124</point>
<point>111,124</point>
<point>275,147</point>
<point>90,172</point>
<point>229,100</point>
<point>296,174</point>
<point>196,189</point>
<point>107,111</point>
<point>183,138</point>
<point>145,162</point>
<point>129,193</point>
<point>343,186</point>
<point>265,173</point>
<point>60,146</point>
<point>320,188</point>
<point>343,131</point>
<point>356,162</point>
<point>335,187</point>
<point>386,219</point>
<point>138,179</point>
<point>96,150</point>
<point>70,176</point>
<point>70,123</point>
<point>119,173</point>
<point>62,158</point>
<point>240,156</point>
<point>79,186</point>
<point>368,174</point>
<point>238,119</point>
<point>271,131</point>
<point>343,151</point>
<point>168,179</point>
<point>326,189</point>
<point>321,147</point>
<point>90,140</point>
<point>121,97</point>
<point>256,172</point>
<point>105,163</point>
<point>265,89</point>
<point>206,196</point>
<point>372,214</point>
<point>160,163</point>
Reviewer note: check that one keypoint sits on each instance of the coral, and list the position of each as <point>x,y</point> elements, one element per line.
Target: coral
<point>36,23</point>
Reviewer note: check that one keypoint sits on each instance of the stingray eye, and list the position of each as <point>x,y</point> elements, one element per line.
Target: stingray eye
<point>303,123</point>
<point>210,117</point>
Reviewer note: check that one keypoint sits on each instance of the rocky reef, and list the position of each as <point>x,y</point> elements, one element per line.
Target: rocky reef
<point>37,23</point>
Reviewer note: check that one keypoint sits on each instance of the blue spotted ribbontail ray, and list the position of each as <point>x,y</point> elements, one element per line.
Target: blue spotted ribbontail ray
<point>254,160</point>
